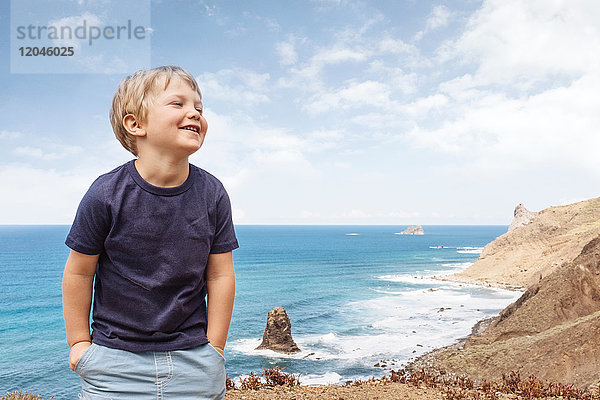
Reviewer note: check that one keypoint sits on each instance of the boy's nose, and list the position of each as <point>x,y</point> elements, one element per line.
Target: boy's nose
<point>194,114</point>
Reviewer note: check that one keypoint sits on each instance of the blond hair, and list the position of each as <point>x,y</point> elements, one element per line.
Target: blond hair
<point>134,95</point>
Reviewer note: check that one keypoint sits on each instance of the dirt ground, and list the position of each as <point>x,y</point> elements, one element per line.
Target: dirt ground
<point>388,391</point>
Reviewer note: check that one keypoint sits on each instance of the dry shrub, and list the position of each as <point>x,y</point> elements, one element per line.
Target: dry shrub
<point>458,388</point>
<point>251,382</point>
<point>229,385</point>
<point>275,377</point>
<point>20,395</point>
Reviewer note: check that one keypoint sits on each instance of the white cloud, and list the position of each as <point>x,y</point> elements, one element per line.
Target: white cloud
<point>438,18</point>
<point>514,41</point>
<point>241,150</point>
<point>67,37</point>
<point>35,152</point>
<point>395,46</point>
<point>40,196</point>
<point>424,105</point>
<point>287,53</point>
<point>355,94</point>
<point>531,101</point>
<point>49,151</point>
<point>10,134</point>
<point>339,55</point>
<point>240,86</point>
<point>558,126</point>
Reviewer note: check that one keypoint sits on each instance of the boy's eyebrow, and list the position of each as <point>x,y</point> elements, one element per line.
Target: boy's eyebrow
<point>180,96</point>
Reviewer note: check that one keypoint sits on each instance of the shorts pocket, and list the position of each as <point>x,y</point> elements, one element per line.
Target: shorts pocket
<point>216,351</point>
<point>85,358</point>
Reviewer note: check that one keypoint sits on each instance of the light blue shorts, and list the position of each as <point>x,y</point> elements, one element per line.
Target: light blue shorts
<point>106,373</point>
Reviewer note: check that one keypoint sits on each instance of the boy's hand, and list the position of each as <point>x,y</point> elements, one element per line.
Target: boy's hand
<point>219,349</point>
<point>76,352</point>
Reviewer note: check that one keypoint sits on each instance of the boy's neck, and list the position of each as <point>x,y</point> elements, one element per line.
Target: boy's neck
<point>163,172</point>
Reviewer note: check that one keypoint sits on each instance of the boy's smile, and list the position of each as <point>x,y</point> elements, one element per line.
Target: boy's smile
<point>174,122</point>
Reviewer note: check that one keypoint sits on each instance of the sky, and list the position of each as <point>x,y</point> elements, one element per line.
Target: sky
<point>323,111</point>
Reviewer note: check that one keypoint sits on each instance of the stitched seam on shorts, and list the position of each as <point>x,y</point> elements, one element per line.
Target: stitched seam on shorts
<point>170,373</point>
<point>159,391</point>
<point>160,384</point>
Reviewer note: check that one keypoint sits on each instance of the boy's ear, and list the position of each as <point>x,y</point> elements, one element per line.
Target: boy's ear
<point>132,125</point>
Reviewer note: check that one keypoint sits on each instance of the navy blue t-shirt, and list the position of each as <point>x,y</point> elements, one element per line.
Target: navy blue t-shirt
<point>154,244</point>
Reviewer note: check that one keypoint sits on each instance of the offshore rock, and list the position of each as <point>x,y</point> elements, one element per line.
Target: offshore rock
<point>413,230</point>
<point>278,333</point>
<point>522,217</point>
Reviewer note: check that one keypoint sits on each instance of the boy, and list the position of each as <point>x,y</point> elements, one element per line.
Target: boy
<point>157,234</point>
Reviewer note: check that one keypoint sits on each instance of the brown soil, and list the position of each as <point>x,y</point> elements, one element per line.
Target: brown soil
<point>387,391</point>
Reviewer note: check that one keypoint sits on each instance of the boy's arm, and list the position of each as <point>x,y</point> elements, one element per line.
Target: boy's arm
<point>220,286</point>
<point>77,282</point>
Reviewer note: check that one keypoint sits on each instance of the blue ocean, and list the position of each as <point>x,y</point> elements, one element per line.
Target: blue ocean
<point>356,295</point>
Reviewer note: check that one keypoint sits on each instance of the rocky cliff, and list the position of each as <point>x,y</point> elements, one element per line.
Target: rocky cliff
<point>552,238</point>
<point>552,331</point>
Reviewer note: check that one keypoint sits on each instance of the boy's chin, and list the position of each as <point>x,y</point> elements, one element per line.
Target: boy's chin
<point>194,148</point>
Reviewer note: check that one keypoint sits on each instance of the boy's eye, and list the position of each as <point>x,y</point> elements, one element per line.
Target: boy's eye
<point>199,110</point>
<point>178,104</point>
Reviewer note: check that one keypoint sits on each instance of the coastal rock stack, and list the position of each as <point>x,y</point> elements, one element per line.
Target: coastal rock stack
<point>278,333</point>
<point>522,217</point>
<point>413,230</point>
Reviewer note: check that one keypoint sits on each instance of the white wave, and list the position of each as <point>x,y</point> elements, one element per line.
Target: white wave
<point>469,250</point>
<point>248,347</point>
<point>396,292</point>
<point>328,338</point>
<point>411,279</point>
<point>352,234</point>
<point>463,265</point>
<point>329,378</point>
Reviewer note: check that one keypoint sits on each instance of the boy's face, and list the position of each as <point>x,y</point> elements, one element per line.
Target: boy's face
<point>174,122</point>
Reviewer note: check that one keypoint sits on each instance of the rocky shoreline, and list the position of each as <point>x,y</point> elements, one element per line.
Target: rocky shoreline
<point>550,334</point>
<point>553,330</point>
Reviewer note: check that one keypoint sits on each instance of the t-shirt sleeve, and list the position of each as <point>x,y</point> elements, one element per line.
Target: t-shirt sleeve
<point>225,239</point>
<point>92,223</point>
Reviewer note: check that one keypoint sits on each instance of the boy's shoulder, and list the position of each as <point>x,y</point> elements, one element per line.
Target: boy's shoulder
<point>207,177</point>
<point>111,177</point>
